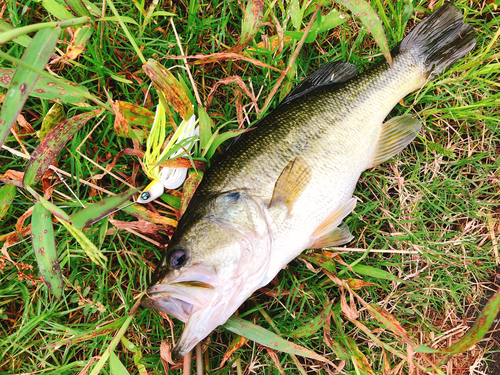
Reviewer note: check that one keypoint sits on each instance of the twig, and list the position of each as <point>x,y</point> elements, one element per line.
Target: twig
<point>354,250</point>
<point>186,370</point>
<point>199,360</point>
<point>292,60</point>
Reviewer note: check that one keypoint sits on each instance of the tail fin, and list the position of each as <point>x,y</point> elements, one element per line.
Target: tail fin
<point>439,40</point>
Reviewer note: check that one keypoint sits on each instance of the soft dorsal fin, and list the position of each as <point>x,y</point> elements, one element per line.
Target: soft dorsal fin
<point>338,236</point>
<point>333,72</point>
<point>327,234</point>
<point>292,181</point>
<point>396,134</point>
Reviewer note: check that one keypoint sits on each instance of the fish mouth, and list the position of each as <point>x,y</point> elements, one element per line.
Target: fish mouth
<point>179,299</point>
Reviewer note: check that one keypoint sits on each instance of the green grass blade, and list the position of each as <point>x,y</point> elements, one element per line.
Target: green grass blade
<point>137,355</point>
<point>375,272</point>
<point>7,194</point>
<point>42,235</point>
<point>49,88</point>
<point>269,339</point>
<point>78,7</point>
<point>222,138</point>
<point>166,83</point>
<point>88,247</point>
<point>23,40</point>
<point>20,31</point>
<point>314,325</point>
<point>99,210</point>
<point>37,54</point>
<point>57,10</point>
<point>206,126</point>
<point>43,156</point>
<point>332,20</point>
<point>51,207</point>
<point>116,366</point>
<point>370,20</point>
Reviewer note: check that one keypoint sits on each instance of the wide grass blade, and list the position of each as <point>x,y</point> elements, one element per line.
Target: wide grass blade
<point>475,334</point>
<point>37,54</point>
<point>45,88</point>
<point>7,194</point>
<point>95,212</point>
<point>269,339</point>
<point>57,10</point>
<point>78,42</point>
<point>131,120</point>
<point>49,148</point>
<point>190,185</point>
<point>370,20</point>
<point>167,84</point>
<point>78,7</point>
<point>251,24</point>
<point>54,117</point>
<point>88,247</point>
<point>42,236</point>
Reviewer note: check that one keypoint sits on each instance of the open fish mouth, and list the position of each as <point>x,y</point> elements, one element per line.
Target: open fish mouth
<point>180,299</point>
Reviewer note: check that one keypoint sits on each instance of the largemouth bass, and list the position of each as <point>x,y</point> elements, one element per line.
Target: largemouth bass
<point>287,185</point>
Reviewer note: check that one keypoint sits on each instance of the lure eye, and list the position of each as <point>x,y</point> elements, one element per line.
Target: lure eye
<point>145,196</point>
<point>178,258</point>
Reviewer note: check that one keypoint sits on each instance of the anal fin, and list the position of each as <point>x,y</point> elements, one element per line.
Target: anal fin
<point>396,134</point>
<point>291,183</point>
<point>329,233</point>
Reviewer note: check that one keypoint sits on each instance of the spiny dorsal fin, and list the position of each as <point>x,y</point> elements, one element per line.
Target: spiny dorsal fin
<point>333,72</point>
<point>339,236</point>
<point>292,181</point>
<point>396,134</point>
<point>325,234</point>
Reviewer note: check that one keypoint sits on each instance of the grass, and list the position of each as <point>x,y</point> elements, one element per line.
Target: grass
<point>438,200</point>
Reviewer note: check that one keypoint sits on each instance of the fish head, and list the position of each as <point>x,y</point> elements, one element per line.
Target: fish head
<point>218,256</point>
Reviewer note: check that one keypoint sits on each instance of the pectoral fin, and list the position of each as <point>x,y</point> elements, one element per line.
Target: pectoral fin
<point>397,133</point>
<point>339,236</point>
<point>329,233</point>
<point>291,183</point>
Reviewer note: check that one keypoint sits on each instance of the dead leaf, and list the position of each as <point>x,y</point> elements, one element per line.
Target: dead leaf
<point>275,359</point>
<point>183,163</point>
<point>221,56</point>
<point>239,82</point>
<point>237,343</point>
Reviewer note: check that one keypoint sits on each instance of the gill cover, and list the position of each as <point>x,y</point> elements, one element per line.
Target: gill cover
<point>227,247</point>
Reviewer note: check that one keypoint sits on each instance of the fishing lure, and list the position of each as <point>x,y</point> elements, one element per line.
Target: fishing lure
<point>164,177</point>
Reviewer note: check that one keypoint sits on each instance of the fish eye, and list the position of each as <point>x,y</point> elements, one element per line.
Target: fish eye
<point>145,196</point>
<point>178,258</point>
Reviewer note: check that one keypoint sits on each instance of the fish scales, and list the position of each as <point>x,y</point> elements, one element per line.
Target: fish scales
<point>286,185</point>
